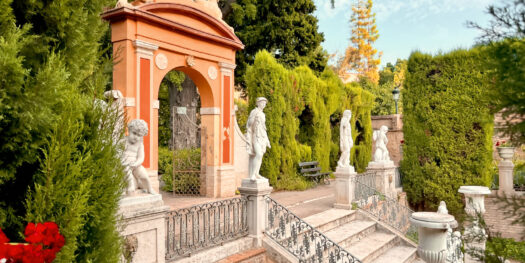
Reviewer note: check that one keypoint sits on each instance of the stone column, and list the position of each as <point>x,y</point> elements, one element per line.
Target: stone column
<point>255,192</point>
<point>385,177</point>
<point>506,170</point>
<point>432,229</point>
<point>344,187</point>
<point>474,236</point>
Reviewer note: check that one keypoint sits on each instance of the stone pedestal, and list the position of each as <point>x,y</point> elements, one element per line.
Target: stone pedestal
<point>474,235</point>
<point>385,177</point>
<point>344,187</point>
<point>506,176</point>
<point>144,217</point>
<point>255,192</point>
<point>432,230</point>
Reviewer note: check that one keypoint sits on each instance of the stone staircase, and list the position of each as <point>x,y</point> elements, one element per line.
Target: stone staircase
<point>363,237</point>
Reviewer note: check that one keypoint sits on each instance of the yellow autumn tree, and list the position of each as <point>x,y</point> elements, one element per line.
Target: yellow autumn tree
<point>361,57</point>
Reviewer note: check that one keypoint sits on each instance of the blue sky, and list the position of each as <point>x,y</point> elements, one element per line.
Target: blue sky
<point>429,26</point>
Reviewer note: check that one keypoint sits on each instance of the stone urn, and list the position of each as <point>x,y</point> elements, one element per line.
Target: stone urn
<point>432,229</point>
<point>506,153</point>
<point>474,198</point>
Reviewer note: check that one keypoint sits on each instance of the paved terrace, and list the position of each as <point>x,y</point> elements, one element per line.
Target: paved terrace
<point>302,203</point>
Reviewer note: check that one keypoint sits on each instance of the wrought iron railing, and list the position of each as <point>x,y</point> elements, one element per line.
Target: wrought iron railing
<point>382,207</point>
<point>203,226</point>
<point>301,239</point>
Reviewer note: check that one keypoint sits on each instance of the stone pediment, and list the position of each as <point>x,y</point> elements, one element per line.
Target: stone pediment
<point>195,19</point>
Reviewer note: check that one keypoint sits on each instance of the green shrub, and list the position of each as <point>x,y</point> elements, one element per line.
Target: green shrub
<point>59,161</point>
<point>241,114</point>
<point>447,127</point>
<point>302,119</point>
<point>187,170</point>
<point>507,248</point>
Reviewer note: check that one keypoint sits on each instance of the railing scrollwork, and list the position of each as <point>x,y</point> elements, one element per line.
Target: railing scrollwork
<point>382,207</point>
<point>301,239</point>
<point>202,226</point>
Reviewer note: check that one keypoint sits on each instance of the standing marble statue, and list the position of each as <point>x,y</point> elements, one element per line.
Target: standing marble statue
<point>257,139</point>
<point>381,154</point>
<point>345,139</point>
<point>133,157</point>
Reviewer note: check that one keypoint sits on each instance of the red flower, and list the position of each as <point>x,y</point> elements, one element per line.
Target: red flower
<point>3,238</point>
<point>402,141</point>
<point>44,241</point>
<point>497,144</point>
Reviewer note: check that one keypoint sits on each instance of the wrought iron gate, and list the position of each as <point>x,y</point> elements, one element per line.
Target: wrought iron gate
<point>188,172</point>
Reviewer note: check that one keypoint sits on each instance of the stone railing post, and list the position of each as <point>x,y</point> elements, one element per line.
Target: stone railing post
<point>432,230</point>
<point>385,177</point>
<point>474,236</point>
<point>506,170</point>
<point>255,192</point>
<point>345,180</point>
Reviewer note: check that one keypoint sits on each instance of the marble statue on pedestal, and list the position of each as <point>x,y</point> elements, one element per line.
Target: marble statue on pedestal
<point>257,138</point>
<point>381,154</point>
<point>133,157</point>
<point>345,139</point>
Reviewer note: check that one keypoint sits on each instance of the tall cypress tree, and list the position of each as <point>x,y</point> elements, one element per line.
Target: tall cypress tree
<point>286,28</point>
<point>59,162</point>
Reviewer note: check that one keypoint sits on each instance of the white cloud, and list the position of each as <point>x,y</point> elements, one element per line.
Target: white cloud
<point>416,10</point>
<point>325,10</point>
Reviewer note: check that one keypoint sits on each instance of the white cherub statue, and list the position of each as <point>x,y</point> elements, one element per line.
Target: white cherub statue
<point>136,174</point>
<point>381,154</point>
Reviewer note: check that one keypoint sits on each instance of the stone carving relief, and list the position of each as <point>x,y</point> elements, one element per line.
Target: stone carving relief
<point>161,61</point>
<point>212,72</point>
<point>190,61</point>
<point>131,245</point>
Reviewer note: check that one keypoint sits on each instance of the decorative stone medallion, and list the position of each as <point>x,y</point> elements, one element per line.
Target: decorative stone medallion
<point>212,72</point>
<point>161,61</point>
<point>190,60</point>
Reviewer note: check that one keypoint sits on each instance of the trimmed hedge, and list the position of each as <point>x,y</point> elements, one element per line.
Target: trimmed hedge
<point>302,118</point>
<point>447,127</point>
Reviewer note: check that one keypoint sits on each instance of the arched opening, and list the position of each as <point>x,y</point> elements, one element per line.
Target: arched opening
<point>179,139</point>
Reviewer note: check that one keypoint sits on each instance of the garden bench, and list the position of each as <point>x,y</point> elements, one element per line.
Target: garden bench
<point>313,171</point>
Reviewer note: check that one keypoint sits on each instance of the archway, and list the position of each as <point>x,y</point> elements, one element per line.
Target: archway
<point>149,40</point>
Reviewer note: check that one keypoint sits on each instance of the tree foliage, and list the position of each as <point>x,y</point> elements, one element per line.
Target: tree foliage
<point>286,28</point>
<point>504,38</point>
<point>302,114</point>
<point>361,56</point>
<point>508,21</point>
<point>58,161</point>
<point>390,76</point>
<point>447,127</point>
<point>507,60</point>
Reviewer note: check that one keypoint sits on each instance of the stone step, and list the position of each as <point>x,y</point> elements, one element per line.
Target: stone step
<point>398,254</point>
<point>330,219</point>
<point>351,232</point>
<point>372,246</point>
<point>218,252</point>
<point>257,255</point>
